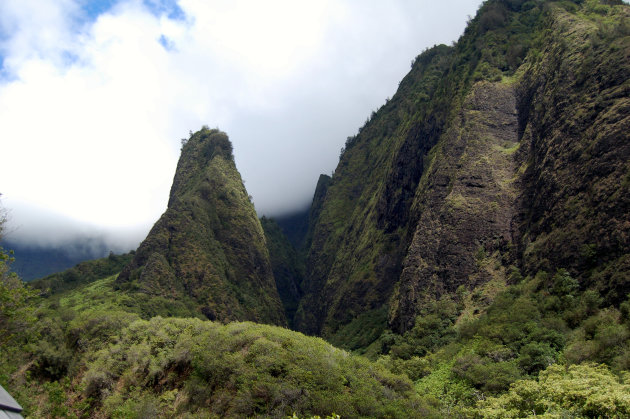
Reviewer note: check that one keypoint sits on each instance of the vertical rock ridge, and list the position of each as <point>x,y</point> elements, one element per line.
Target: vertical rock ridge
<point>466,205</point>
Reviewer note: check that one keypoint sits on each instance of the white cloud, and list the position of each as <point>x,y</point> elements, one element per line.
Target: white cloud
<point>92,111</point>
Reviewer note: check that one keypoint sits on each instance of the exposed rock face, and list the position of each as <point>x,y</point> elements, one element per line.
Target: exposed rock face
<point>575,105</point>
<point>465,202</point>
<point>358,232</point>
<point>209,246</point>
<point>512,147</point>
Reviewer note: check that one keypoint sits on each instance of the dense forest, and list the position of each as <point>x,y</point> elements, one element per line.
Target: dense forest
<point>469,257</point>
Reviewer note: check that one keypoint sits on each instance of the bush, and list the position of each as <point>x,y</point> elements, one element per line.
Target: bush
<point>587,390</point>
<point>536,356</point>
<point>489,377</point>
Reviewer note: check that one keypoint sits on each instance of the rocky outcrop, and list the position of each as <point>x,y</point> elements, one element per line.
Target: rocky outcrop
<point>465,203</point>
<point>208,247</point>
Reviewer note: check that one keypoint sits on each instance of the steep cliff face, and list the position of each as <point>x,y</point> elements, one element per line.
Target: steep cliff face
<point>575,117</point>
<point>367,219</point>
<point>209,245</point>
<point>465,203</point>
<point>509,149</point>
<point>357,234</point>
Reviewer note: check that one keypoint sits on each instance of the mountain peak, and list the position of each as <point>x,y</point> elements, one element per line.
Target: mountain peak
<point>209,246</point>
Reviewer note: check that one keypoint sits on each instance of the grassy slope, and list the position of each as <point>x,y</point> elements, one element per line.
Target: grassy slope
<point>90,354</point>
<point>83,272</point>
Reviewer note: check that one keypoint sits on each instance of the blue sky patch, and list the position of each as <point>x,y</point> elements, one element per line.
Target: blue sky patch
<point>95,8</point>
<point>68,58</point>
<point>2,70</point>
<point>170,8</point>
<point>166,43</point>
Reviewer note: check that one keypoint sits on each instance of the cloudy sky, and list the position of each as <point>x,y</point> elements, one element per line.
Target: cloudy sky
<point>95,97</point>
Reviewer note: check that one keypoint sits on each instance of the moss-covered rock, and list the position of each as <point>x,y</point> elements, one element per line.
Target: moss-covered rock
<point>209,245</point>
<point>511,146</point>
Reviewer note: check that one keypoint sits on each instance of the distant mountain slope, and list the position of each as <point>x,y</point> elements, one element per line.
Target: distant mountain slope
<point>209,244</point>
<point>37,262</point>
<point>81,274</point>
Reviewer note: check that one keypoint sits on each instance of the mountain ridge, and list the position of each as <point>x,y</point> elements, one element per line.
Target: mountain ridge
<point>471,248</point>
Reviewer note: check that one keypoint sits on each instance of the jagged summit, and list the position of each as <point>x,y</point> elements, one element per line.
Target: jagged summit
<point>209,245</point>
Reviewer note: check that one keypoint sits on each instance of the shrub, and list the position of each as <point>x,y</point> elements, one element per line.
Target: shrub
<point>587,390</point>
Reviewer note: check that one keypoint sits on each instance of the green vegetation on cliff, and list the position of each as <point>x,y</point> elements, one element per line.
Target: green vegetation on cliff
<point>472,245</point>
<point>512,143</point>
<point>373,204</point>
<point>209,246</point>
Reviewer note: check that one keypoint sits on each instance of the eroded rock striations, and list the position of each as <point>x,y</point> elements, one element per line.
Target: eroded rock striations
<point>466,203</point>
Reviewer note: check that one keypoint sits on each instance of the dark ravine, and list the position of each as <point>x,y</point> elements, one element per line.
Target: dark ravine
<point>287,265</point>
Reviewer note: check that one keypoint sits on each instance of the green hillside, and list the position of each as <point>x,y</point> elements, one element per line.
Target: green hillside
<point>89,353</point>
<point>82,273</point>
<point>469,257</point>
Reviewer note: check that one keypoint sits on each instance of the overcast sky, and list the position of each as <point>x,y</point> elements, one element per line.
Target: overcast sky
<point>95,97</point>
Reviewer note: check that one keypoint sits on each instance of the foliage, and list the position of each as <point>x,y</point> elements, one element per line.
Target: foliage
<point>82,273</point>
<point>16,314</point>
<point>433,328</point>
<point>120,366</point>
<point>528,328</point>
<point>361,335</point>
<point>579,391</point>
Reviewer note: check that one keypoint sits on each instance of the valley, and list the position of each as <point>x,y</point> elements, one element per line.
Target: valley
<point>469,257</point>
